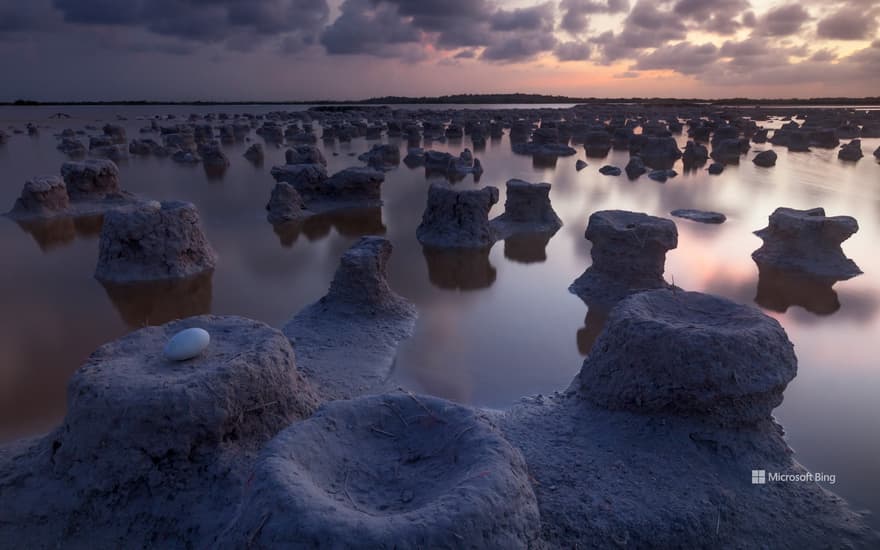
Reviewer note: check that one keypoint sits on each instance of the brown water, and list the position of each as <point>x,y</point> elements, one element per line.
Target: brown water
<point>516,331</point>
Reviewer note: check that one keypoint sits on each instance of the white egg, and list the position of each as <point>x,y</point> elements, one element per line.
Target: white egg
<point>187,344</point>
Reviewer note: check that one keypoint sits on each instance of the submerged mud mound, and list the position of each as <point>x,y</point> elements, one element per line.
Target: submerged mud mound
<point>668,351</point>
<point>629,255</point>
<point>285,205</point>
<point>527,209</point>
<point>394,470</point>
<point>150,450</point>
<point>42,197</point>
<point>91,178</point>
<point>86,189</point>
<point>346,342</point>
<point>354,186</point>
<point>458,218</point>
<point>155,242</point>
<point>807,241</point>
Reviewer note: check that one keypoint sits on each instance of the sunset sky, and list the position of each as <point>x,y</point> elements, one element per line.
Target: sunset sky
<point>352,49</point>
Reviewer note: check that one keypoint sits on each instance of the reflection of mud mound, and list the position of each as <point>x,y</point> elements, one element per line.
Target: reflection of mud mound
<point>60,231</point>
<point>528,248</point>
<point>215,172</point>
<point>544,161</point>
<point>459,268</point>
<point>594,322</point>
<point>52,233</point>
<point>156,303</point>
<point>780,289</point>
<point>386,471</point>
<point>351,222</point>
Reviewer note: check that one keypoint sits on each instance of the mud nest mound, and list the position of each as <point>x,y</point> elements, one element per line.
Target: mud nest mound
<point>687,353</point>
<point>393,470</point>
<point>808,241</point>
<point>154,242</point>
<point>629,255</point>
<point>130,407</point>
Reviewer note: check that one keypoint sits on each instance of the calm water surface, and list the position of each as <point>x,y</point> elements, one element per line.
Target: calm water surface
<point>491,329</point>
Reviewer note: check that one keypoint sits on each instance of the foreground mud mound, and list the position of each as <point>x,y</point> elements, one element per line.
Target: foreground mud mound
<point>808,241</point>
<point>346,342</point>
<point>149,449</point>
<point>667,420</point>
<point>668,351</point>
<point>384,471</point>
<point>156,242</point>
<point>629,255</point>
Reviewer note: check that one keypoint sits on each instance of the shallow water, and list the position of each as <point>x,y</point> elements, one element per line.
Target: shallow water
<point>490,329</point>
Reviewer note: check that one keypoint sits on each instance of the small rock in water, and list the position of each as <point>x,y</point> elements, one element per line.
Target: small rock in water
<point>701,216</point>
<point>662,175</point>
<point>765,159</point>
<point>609,170</point>
<point>580,165</point>
<point>187,344</point>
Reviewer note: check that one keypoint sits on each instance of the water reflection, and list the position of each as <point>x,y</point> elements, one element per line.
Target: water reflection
<point>544,161</point>
<point>156,303</point>
<point>780,289</point>
<point>60,231</point>
<point>594,322</point>
<point>527,248</point>
<point>350,222</point>
<point>214,172</point>
<point>459,268</point>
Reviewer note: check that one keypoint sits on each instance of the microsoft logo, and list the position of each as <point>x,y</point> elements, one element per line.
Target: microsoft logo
<point>759,477</point>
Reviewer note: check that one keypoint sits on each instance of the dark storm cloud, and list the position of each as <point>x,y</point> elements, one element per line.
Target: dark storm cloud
<point>573,51</point>
<point>782,21</point>
<point>404,27</point>
<point>378,27</point>
<point>717,16</point>
<point>19,16</point>
<point>684,57</point>
<point>519,47</point>
<point>745,48</point>
<point>850,23</point>
<point>538,17</point>
<point>575,13</point>
<point>646,26</point>
<point>205,20</point>
<point>365,27</point>
<point>823,55</point>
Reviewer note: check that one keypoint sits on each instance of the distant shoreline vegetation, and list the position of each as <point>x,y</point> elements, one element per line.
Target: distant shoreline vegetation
<point>484,99</point>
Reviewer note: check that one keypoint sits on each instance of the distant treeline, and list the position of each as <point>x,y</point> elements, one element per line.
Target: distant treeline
<point>489,99</point>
